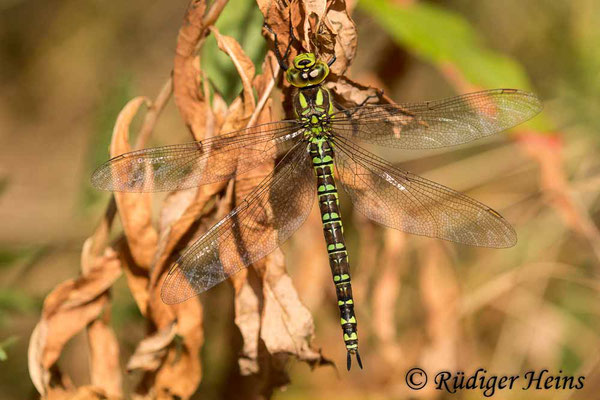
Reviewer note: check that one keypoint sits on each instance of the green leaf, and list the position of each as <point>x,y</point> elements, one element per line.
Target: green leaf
<point>111,102</point>
<point>9,256</point>
<point>17,301</point>
<point>243,21</point>
<point>443,38</point>
<point>5,344</point>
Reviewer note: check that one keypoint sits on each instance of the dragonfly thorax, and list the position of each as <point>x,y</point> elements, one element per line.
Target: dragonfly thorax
<point>313,107</point>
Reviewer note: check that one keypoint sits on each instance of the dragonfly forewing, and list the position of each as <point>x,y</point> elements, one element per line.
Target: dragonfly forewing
<point>183,166</point>
<point>438,123</point>
<point>263,221</point>
<point>407,202</point>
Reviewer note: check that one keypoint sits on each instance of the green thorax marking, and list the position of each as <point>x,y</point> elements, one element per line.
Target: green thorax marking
<point>313,107</point>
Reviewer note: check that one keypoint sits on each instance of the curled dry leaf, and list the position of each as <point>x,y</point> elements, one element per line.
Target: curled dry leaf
<point>150,352</point>
<point>181,209</point>
<point>135,212</point>
<point>67,310</point>
<point>323,27</point>
<point>83,393</point>
<point>186,72</point>
<point>179,372</point>
<point>338,22</point>
<point>349,93</point>
<point>243,65</point>
<point>246,300</point>
<point>135,209</point>
<point>277,15</point>
<point>105,371</point>
<point>331,32</point>
<point>286,325</point>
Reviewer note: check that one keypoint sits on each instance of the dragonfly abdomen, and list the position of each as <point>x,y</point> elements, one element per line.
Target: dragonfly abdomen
<point>321,153</point>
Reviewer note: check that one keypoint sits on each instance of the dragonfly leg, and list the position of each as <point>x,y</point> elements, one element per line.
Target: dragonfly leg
<point>280,59</point>
<point>292,36</point>
<point>377,96</point>
<point>330,62</point>
<point>350,113</point>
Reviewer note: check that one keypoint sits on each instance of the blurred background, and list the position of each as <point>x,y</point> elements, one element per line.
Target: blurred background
<point>68,67</point>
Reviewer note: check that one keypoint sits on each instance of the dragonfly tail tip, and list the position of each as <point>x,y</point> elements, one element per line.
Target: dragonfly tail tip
<point>349,359</point>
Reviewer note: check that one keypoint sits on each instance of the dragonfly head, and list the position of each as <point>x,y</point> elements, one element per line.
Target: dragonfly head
<point>306,71</point>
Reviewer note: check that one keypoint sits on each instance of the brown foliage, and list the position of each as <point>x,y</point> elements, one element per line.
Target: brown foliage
<point>273,322</point>
<point>419,302</point>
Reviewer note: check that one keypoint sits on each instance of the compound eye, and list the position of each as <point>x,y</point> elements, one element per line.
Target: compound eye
<point>295,77</point>
<point>318,73</point>
<point>304,61</point>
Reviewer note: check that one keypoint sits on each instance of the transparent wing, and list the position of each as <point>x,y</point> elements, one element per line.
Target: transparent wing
<point>256,227</point>
<point>438,123</point>
<point>401,200</point>
<point>188,165</point>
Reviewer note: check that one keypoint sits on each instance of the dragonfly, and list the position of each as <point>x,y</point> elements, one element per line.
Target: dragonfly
<point>321,147</point>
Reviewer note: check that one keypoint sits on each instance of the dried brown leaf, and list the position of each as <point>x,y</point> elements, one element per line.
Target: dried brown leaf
<point>265,82</point>
<point>150,352</point>
<point>327,29</point>
<point>105,371</point>
<point>351,94</point>
<point>277,14</point>
<point>137,278</point>
<point>324,27</point>
<point>180,373</point>
<point>67,310</point>
<point>38,374</point>
<point>330,31</point>
<point>187,88</point>
<point>247,319</point>
<point>181,208</point>
<point>81,393</point>
<point>135,209</point>
<point>286,324</point>
<point>338,22</point>
<point>248,300</point>
<point>243,65</point>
